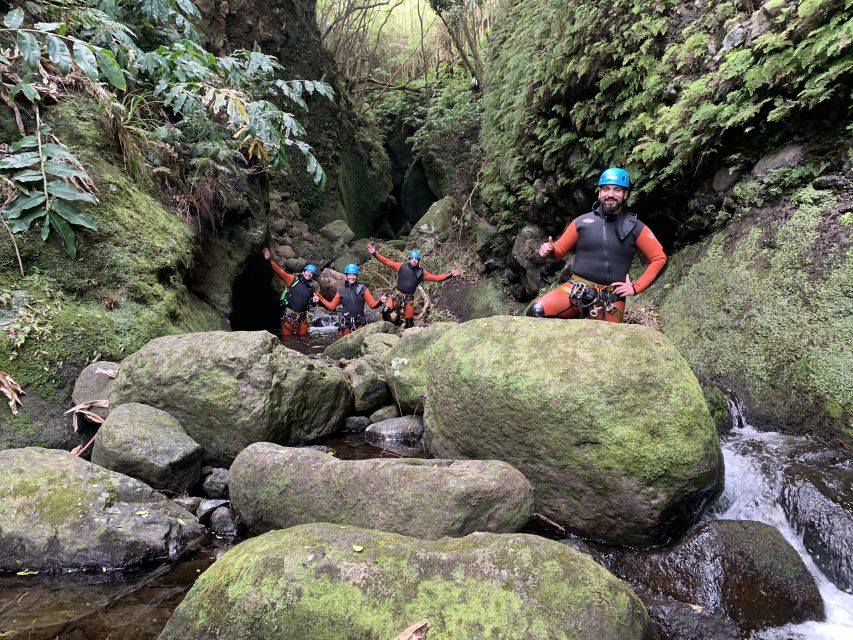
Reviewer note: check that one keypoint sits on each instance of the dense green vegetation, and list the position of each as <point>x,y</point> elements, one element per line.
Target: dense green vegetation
<point>670,90</point>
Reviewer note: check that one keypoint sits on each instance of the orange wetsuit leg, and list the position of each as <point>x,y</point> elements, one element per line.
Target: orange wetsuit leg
<point>556,304</point>
<point>409,311</point>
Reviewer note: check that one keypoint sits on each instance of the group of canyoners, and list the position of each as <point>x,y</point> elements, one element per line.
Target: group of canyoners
<point>605,241</point>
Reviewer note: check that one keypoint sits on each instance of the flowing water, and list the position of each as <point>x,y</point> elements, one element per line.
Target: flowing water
<point>753,480</point>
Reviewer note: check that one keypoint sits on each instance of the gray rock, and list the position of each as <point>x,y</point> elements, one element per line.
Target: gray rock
<point>91,385</point>
<point>275,487</point>
<point>350,346</point>
<point>215,483</point>
<point>231,389</point>
<point>222,523</point>
<point>435,224</point>
<point>744,570</point>
<point>525,256</point>
<point>673,620</point>
<point>342,261</point>
<point>326,581</point>
<point>206,507</point>
<point>792,155</point>
<point>60,512</point>
<point>321,448</point>
<point>725,179</point>
<point>330,281</point>
<point>369,389</point>
<point>734,38</point>
<point>385,413</point>
<point>337,232</point>
<point>407,366</point>
<point>150,445</point>
<point>408,429</point>
<point>190,503</point>
<point>356,424</point>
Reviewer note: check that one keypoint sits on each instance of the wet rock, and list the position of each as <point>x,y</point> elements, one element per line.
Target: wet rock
<point>791,155</point>
<point>742,569</point>
<point>222,523</point>
<point>408,429</point>
<point>350,346</point>
<point>60,512</point>
<point>385,413</point>
<point>369,389</point>
<point>275,487</point>
<point>819,505</point>
<point>190,503</point>
<point>338,232</point>
<point>148,444</point>
<point>308,580</point>
<point>725,179</point>
<point>330,281</point>
<point>206,507</point>
<point>231,389</point>
<point>215,483</point>
<point>525,256</point>
<point>610,457</point>
<point>321,448</point>
<point>673,620</point>
<point>406,370</point>
<point>91,385</point>
<point>356,424</point>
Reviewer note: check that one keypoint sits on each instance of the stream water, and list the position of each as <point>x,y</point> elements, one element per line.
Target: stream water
<point>135,605</point>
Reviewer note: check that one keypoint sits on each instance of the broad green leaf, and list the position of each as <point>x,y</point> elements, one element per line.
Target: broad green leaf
<point>57,151</point>
<point>57,50</point>
<point>72,215</point>
<point>45,228</point>
<point>48,26</point>
<point>20,160</point>
<point>189,8</point>
<point>30,49</point>
<point>27,142</point>
<point>65,191</point>
<point>4,59</point>
<point>63,170</point>
<point>30,91</point>
<point>85,59</point>
<point>27,175</point>
<point>14,19</point>
<point>21,204</point>
<point>23,222</point>
<point>66,233</point>
<point>110,68</point>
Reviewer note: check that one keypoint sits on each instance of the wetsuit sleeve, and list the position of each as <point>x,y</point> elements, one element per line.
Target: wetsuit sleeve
<point>388,262</point>
<point>652,249</point>
<point>432,277</point>
<point>333,304</point>
<point>284,275</point>
<point>371,302</point>
<point>566,242</point>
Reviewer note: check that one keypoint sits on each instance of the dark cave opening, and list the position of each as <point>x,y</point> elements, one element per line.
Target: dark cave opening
<point>254,301</point>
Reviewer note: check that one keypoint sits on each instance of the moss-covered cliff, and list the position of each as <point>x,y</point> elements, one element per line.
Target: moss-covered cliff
<point>125,287</point>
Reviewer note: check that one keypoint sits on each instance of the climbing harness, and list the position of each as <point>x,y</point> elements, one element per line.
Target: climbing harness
<point>396,304</point>
<point>351,322</point>
<point>591,299</point>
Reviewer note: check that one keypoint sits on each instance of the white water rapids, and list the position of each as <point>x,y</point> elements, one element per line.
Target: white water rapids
<point>751,493</point>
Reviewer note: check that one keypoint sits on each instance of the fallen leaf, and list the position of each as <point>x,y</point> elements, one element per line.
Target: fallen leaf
<point>107,372</point>
<point>11,390</point>
<point>181,522</point>
<point>417,631</point>
<point>27,572</point>
<point>143,514</point>
<point>357,548</point>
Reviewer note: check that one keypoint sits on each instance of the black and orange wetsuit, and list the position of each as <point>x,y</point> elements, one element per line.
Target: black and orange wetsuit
<point>300,292</point>
<point>408,279</point>
<point>352,297</point>
<point>604,248</point>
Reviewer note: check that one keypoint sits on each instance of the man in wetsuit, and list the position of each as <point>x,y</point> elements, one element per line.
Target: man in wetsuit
<point>299,294</point>
<point>605,241</point>
<point>351,297</point>
<point>409,277</point>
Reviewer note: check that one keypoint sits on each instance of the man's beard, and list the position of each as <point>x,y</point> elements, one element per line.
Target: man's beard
<point>611,207</point>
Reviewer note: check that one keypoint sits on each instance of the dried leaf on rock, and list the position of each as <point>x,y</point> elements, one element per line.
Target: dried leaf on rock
<point>417,631</point>
<point>110,373</point>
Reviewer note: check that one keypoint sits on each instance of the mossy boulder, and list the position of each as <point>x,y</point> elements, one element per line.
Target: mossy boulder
<point>744,570</point>
<point>606,421</point>
<point>407,368</point>
<point>336,583</point>
<point>350,346</point>
<point>434,225</point>
<point>486,298</point>
<point>94,383</point>
<point>369,389</point>
<point>150,445</point>
<point>229,390</point>
<point>61,512</point>
<point>275,487</point>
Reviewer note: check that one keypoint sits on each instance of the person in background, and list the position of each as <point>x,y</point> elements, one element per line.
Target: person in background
<point>300,292</point>
<point>352,297</point>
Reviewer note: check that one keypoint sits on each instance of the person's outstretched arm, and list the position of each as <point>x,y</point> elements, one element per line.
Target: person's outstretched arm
<point>284,275</point>
<point>386,261</point>
<point>330,305</point>
<point>371,302</point>
<point>441,277</point>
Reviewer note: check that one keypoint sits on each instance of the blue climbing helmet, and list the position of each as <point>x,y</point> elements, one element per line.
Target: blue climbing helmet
<point>615,176</point>
<point>351,269</point>
<point>414,253</point>
<point>311,268</point>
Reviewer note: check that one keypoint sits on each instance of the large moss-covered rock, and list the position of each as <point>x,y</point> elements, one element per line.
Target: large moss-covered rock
<point>407,365</point>
<point>275,487</point>
<point>229,390</point>
<point>743,570</point>
<point>606,421</point>
<point>60,512</point>
<point>350,346</point>
<point>150,445</point>
<point>764,307</point>
<point>338,583</point>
